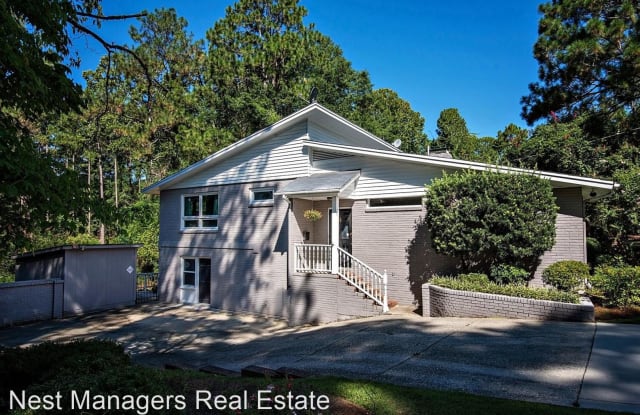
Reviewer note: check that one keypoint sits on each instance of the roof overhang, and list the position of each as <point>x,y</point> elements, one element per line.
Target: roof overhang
<point>592,188</point>
<point>321,185</point>
<point>313,112</point>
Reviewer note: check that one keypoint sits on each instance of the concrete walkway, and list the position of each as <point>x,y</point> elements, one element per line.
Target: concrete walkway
<point>514,359</point>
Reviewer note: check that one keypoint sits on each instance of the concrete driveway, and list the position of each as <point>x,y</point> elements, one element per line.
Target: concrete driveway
<point>515,359</point>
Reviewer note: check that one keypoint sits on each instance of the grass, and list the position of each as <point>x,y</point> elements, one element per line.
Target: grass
<point>104,369</point>
<point>627,315</point>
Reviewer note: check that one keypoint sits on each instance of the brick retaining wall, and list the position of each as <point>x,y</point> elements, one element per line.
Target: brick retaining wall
<point>444,302</point>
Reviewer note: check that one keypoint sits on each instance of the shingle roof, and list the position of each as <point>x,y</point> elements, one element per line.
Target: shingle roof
<point>329,183</point>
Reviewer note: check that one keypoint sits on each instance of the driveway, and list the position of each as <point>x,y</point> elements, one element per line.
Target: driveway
<point>515,359</point>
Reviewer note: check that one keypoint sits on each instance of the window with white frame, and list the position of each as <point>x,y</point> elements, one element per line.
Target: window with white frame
<point>188,272</point>
<point>200,211</point>
<point>262,196</point>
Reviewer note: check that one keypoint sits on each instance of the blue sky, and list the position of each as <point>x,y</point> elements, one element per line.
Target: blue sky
<point>471,55</point>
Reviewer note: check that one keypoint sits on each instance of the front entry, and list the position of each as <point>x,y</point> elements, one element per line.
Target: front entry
<point>196,280</point>
<point>346,229</point>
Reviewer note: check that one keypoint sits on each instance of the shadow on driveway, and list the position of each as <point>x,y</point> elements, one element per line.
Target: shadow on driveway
<point>515,359</point>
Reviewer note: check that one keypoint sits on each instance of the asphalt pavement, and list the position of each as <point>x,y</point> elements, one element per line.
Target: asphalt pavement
<point>563,363</point>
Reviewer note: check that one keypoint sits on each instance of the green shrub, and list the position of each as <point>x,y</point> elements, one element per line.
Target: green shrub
<point>508,274</point>
<point>566,275</point>
<point>487,218</point>
<point>512,290</point>
<point>474,278</point>
<point>619,285</point>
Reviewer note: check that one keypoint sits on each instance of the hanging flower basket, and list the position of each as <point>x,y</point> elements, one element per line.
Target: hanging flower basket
<point>312,215</point>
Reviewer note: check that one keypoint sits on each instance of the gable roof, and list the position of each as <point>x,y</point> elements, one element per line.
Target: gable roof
<point>313,112</point>
<point>592,188</point>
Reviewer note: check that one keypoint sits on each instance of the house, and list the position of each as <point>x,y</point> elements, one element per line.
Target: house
<point>233,231</point>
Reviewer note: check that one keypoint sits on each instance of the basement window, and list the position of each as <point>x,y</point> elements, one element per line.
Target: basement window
<point>262,197</point>
<point>395,203</point>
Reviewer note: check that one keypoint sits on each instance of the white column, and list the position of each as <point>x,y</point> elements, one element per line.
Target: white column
<point>335,233</point>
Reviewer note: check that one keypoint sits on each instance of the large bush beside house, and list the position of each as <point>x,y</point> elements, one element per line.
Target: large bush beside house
<point>620,286</point>
<point>487,218</point>
<point>566,275</point>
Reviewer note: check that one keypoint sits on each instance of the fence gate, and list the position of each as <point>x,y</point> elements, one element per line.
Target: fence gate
<point>146,287</point>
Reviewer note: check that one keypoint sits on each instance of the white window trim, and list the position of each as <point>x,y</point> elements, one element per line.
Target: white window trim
<point>195,274</point>
<point>268,202</point>
<point>369,208</point>
<point>200,218</point>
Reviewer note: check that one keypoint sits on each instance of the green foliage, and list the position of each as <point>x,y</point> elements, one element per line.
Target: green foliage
<point>487,218</point>
<point>566,275</point>
<point>509,274</point>
<point>560,147</point>
<point>454,135</point>
<point>619,285</point>
<point>474,278</point>
<point>616,220</point>
<point>463,283</point>
<point>588,57</point>
<point>385,114</point>
<point>141,226</point>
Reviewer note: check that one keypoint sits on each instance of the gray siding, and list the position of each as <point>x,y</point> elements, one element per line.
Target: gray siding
<point>248,252</point>
<point>40,267</point>
<point>382,178</point>
<point>276,158</point>
<point>571,241</point>
<point>98,279</point>
<point>25,301</point>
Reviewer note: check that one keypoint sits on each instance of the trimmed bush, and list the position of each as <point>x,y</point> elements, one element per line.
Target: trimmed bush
<point>488,218</point>
<point>619,285</point>
<point>508,274</point>
<point>566,275</point>
<point>474,278</point>
<point>475,284</point>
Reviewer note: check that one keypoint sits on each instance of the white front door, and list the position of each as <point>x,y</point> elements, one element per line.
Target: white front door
<point>196,280</point>
<point>189,287</point>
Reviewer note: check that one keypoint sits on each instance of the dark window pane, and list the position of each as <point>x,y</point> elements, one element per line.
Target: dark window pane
<point>191,206</point>
<point>210,223</point>
<point>205,268</point>
<point>399,201</point>
<point>190,223</point>
<point>262,195</point>
<point>189,278</point>
<point>210,204</point>
<point>189,264</point>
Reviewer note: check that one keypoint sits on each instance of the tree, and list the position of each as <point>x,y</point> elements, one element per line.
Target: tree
<point>454,135</point>
<point>486,218</point>
<point>509,142</point>
<point>36,191</point>
<point>263,62</point>
<point>559,147</point>
<point>390,117</point>
<point>588,56</point>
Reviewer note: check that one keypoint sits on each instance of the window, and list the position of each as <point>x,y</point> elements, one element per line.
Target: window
<point>262,197</point>
<point>189,272</point>
<point>200,211</point>
<point>396,202</point>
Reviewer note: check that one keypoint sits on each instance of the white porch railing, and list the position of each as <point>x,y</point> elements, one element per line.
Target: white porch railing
<point>316,258</point>
<point>313,258</point>
<point>366,279</point>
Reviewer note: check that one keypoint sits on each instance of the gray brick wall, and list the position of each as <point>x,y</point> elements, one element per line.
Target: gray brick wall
<point>570,233</point>
<point>323,298</point>
<point>444,302</point>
